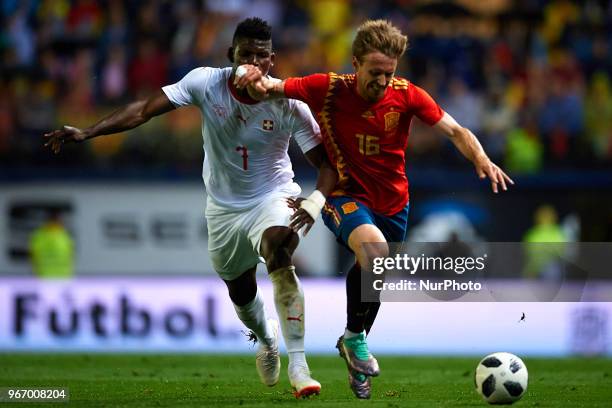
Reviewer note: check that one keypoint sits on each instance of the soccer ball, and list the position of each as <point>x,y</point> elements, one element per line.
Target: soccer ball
<point>501,378</point>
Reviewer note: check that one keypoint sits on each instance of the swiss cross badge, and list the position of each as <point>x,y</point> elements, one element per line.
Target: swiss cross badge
<point>267,125</point>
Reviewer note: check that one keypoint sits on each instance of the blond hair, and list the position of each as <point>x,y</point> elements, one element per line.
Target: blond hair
<point>379,35</point>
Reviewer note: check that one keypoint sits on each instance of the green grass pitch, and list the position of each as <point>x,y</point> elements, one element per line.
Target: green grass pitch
<point>193,380</point>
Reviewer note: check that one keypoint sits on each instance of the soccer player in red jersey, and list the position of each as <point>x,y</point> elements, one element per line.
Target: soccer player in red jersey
<point>365,120</point>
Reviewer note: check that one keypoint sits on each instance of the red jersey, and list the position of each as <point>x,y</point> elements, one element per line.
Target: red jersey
<point>366,141</point>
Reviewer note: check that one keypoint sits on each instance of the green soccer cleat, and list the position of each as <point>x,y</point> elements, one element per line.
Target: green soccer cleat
<point>358,358</point>
<point>360,384</point>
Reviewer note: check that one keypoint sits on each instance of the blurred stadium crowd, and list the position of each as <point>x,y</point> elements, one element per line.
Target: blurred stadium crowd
<point>531,78</point>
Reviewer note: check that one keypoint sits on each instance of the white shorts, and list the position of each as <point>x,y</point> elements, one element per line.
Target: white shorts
<point>234,236</point>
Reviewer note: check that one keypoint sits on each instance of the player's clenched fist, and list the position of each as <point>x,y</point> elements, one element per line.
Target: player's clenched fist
<point>250,77</point>
<point>67,134</point>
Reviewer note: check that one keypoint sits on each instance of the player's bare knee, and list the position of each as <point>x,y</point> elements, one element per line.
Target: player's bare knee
<point>368,242</point>
<point>371,251</point>
<point>277,247</point>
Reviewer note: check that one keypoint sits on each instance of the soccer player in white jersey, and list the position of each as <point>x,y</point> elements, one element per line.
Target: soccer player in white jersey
<point>248,178</point>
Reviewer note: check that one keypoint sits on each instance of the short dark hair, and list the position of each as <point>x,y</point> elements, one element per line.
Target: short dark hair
<point>253,27</point>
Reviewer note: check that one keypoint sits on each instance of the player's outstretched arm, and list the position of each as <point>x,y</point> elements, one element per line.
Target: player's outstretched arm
<point>125,118</point>
<point>259,86</point>
<point>467,143</point>
<point>308,209</point>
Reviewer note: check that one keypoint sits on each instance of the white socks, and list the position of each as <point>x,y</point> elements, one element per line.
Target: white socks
<point>289,301</point>
<point>253,316</point>
<point>348,334</point>
<point>297,358</point>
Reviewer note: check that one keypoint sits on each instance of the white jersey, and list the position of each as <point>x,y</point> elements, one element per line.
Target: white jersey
<point>245,142</point>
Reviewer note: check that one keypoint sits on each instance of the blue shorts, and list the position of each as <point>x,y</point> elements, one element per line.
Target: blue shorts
<point>343,214</point>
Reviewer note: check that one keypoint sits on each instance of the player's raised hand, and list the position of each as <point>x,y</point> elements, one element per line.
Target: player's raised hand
<point>486,168</point>
<point>67,134</point>
<point>301,217</point>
